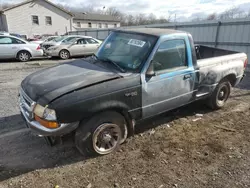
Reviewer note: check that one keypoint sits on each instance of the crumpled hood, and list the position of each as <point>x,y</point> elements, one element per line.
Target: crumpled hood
<point>46,85</point>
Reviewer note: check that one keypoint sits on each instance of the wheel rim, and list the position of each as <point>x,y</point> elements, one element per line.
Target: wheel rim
<point>64,55</point>
<point>222,95</point>
<point>24,56</point>
<point>106,138</point>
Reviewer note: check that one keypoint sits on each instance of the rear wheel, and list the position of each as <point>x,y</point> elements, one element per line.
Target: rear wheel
<point>23,56</point>
<point>64,54</point>
<point>101,134</point>
<point>220,95</point>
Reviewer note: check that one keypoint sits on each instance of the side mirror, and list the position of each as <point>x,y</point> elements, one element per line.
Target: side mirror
<point>150,72</point>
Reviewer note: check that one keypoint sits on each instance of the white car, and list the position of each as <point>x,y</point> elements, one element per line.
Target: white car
<point>13,47</point>
<point>78,47</point>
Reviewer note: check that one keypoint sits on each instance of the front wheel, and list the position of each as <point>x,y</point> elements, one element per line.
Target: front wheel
<point>220,95</point>
<point>102,134</point>
<point>64,54</point>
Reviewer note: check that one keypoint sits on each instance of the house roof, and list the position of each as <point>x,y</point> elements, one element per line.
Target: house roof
<point>96,17</point>
<point>29,1</point>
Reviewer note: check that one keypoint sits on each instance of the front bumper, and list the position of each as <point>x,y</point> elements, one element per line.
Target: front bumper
<point>52,53</point>
<point>26,106</point>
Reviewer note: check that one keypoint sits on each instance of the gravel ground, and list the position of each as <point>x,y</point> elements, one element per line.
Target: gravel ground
<point>177,149</point>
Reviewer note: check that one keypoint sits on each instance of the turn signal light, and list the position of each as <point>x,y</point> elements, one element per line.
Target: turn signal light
<point>47,124</point>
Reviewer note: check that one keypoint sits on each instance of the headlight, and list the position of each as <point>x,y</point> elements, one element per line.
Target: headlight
<point>49,114</point>
<point>45,113</point>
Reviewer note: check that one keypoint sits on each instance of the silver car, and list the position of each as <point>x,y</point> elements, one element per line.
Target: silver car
<point>59,40</point>
<point>78,47</point>
<point>13,47</point>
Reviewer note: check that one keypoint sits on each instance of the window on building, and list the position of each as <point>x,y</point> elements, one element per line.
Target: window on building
<point>100,25</point>
<point>48,20</point>
<point>89,24</point>
<point>171,54</point>
<point>35,20</point>
<point>106,25</point>
<point>78,24</point>
<point>91,41</point>
<point>115,25</point>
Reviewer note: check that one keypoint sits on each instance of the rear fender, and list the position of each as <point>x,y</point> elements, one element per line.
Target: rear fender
<point>24,49</point>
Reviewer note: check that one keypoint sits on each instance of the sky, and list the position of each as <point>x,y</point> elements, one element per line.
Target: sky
<point>183,9</point>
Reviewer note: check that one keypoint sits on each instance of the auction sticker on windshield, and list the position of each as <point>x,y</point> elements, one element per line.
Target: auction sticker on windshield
<point>135,42</point>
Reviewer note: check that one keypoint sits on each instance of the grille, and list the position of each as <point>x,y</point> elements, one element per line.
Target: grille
<point>26,105</point>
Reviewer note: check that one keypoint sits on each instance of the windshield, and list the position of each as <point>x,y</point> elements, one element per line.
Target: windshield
<point>127,50</point>
<point>58,39</point>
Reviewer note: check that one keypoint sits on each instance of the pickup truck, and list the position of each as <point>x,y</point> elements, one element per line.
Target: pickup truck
<point>135,74</point>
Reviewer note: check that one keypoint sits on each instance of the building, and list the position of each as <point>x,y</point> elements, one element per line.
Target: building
<point>87,20</point>
<point>36,17</point>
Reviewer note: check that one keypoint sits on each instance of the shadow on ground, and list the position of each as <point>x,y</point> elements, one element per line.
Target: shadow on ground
<point>22,152</point>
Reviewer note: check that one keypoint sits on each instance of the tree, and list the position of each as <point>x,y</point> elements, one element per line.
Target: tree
<point>212,16</point>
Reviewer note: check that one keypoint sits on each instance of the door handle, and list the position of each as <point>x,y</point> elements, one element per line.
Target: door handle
<point>187,76</point>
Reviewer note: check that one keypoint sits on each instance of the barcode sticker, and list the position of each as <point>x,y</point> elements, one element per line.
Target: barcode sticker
<point>135,42</point>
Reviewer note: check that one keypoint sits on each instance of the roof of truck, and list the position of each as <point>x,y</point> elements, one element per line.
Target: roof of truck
<point>151,31</point>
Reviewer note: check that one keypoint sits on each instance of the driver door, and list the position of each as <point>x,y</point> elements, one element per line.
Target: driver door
<point>173,83</point>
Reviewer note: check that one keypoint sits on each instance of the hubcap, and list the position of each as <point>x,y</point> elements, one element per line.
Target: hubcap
<point>222,95</point>
<point>106,137</point>
<point>64,54</point>
<point>24,57</point>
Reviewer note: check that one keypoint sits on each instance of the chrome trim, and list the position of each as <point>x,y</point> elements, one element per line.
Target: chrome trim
<point>27,105</point>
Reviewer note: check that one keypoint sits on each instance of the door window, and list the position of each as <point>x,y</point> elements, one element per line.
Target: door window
<point>81,41</point>
<point>5,40</point>
<point>171,54</point>
<point>91,41</point>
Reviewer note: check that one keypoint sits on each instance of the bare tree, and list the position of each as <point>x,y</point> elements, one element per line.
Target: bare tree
<point>5,5</point>
<point>232,13</point>
<point>212,16</point>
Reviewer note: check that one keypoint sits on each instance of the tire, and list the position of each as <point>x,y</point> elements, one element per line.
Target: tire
<point>101,134</point>
<point>64,54</point>
<point>220,95</point>
<point>23,56</point>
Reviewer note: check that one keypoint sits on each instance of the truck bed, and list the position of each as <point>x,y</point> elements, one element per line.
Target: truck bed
<point>204,52</point>
<point>215,64</point>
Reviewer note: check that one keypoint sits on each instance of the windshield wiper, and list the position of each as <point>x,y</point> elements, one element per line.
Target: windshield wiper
<point>114,63</point>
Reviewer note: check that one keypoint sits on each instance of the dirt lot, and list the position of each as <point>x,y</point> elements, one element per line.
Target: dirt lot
<point>187,148</point>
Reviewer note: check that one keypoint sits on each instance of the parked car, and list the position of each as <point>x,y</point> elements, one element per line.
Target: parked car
<point>136,74</point>
<point>78,47</point>
<point>59,40</point>
<point>14,47</point>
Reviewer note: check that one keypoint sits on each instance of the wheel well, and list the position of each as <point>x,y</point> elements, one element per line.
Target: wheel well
<point>23,51</point>
<point>124,113</point>
<point>231,78</point>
